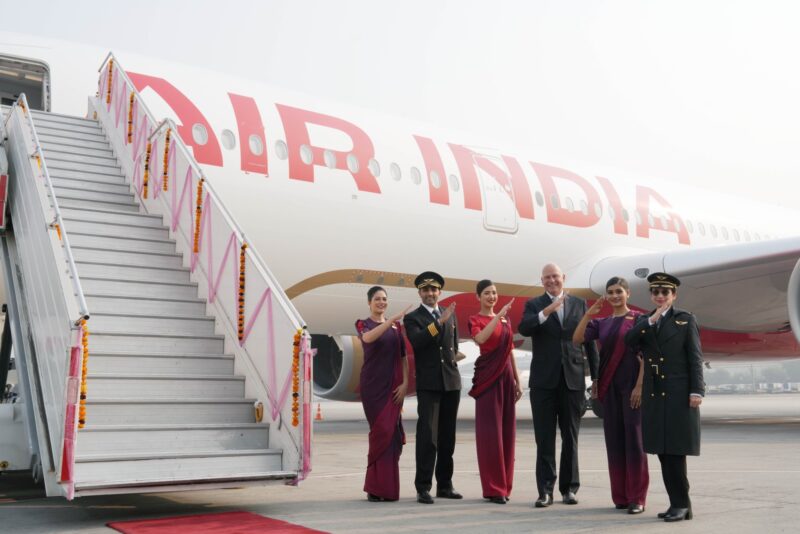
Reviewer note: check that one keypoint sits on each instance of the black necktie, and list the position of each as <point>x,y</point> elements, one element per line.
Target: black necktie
<point>436,315</point>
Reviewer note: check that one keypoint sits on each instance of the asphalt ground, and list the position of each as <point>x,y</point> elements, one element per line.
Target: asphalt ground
<point>746,480</point>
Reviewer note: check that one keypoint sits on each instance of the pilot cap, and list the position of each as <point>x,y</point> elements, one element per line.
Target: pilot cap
<point>429,278</point>
<point>663,280</point>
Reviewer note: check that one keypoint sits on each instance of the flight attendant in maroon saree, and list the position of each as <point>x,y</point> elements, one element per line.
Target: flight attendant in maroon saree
<point>384,381</point>
<point>496,388</point>
<point>619,389</point>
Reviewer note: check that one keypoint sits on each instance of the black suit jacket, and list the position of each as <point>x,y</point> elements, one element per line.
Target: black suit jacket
<point>553,350</point>
<point>435,349</point>
<point>673,369</point>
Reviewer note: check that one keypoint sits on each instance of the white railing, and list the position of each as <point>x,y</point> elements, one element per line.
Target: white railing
<point>53,297</point>
<point>259,321</point>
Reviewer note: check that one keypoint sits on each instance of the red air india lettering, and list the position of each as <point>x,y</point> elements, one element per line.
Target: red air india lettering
<point>295,125</point>
<point>558,214</point>
<point>620,225</point>
<point>433,163</point>
<point>643,197</point>
<point>188,115</point>
<point>250,125</point>
<point>513,182</point>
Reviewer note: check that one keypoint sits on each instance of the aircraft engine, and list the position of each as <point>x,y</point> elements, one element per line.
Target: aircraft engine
<point>793,301</point>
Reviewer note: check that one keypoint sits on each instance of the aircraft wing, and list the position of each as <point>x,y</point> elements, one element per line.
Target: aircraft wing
<point>748,287</point>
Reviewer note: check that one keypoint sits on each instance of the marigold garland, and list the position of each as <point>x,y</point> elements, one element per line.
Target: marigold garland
<point>110,78</point>
<point>296,377</point>
<point>198,212</point>
<point>242,257</point>
<point>165,174</point>
<point>146,180</point>
<point>58,230</point>
<point>84,366</point>
<point>130,118</point>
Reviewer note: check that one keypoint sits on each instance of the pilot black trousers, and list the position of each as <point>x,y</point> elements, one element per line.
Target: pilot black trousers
<point>436,438</point>
<point>676,482</point>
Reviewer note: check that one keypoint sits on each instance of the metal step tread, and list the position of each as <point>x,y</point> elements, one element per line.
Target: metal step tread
<point>173,426</point>
<point>109,264</point>
<point>126,238</point>
<point>114,376</point>
<point>155,316</point>
<point>58,153</point>
<point>61,127</point>
<point>40,113</point>
<point>198,480</point>
<point>128,297</point>
<point>65,193</point>
<point>169,400</point>
<point>173,454</point>
<point>215,337</point>
<point>76,187</point>
<point>114,212</point>
<point>149,282</point>
<point>140,252</point>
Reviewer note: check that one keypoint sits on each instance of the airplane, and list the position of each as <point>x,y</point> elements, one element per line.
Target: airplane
<point>338,199</point>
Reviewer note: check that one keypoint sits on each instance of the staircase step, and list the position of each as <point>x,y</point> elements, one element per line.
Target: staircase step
<point>68,201</point>
<point>177,469</point>
<point>161,386</point>
<point>61,172</point>
<point>71,130</point>
<point>77,148</point>
<point>129,288</point>
<point>163,439</point>
<point>73,156</point>
<point>106,229</point>
<point>107,341</point>
<point>95,186</point>
<point>90,193</point>
<point>63,138</point>
<point>93,182</point>
<point>151,246</point>
<point>160,324</point>
<point>135,411</point>
<point>41,117</point>
<point>133,273</point>
<point>57,162</point>
<point>100,304</point>
<point>131,258</point>
<point>113,217</point>
<point>138,362</point>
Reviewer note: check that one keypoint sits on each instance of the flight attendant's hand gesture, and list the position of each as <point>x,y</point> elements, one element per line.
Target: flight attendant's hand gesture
<point>399,317</point>
<point>596,307</point>
<point>504,310</point>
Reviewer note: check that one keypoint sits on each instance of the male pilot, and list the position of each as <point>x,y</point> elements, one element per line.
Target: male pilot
<point>672,390</point>
<point>434,338</point>
<point>557,383</point>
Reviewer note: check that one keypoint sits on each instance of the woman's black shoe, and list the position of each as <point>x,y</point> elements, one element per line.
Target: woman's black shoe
<point>373,498</point>
<point>634,508</point>
<point>621,506</point>
<point>497,500</point>
<point>662,515</point>
<point>678,514</point>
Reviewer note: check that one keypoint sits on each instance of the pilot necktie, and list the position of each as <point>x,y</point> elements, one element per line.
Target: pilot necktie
<point>436,315</point>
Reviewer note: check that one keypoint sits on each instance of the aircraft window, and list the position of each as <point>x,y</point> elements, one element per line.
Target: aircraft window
<point>435,180</point>
<point>747,236</point>
<point>416,176</point>
<point>229,140</point>
<point>724,232</point>
<point>689,226</point>
<point>554,201</point>
<point>735,234</point>
<point>713,230</point>
<point>394,170</point>
<point>638,218</point>
<point>306,154</point>
<point>757,236</point>
<point>539,199</point>
<point>664,223</point>
<point>454,184</point>
<point>570,205</point>
<point>611,213</point>
<point>598,209</point>
<point>702,228</point>
<point>330,159</point>
<point>256,145</point>
<point>625,216</point>
<point>374,167</point>
<point>352,163</point>
<point>199,134</point>
<point>281,149</point>
<point>651,221</point>
<point>584,207</point>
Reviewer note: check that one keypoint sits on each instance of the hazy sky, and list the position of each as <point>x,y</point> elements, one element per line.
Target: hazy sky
<point>704,92</point>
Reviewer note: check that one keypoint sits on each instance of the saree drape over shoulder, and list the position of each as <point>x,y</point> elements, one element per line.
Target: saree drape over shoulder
<point>381,373</point>
<point>493,388</point>
<point>622,425</point>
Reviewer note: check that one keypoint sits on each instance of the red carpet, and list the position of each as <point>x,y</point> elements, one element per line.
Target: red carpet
<point>224,523</point>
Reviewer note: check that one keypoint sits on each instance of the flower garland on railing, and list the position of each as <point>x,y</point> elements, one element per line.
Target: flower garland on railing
<point>130,118</point>
<point>242,257</point>
<point>57,228</point>
<point>165,174</point>
<point>146,179</point>
<point>84,367</point>
<point>198,212</point>
<point>110,78</point>
<point>296,377</point>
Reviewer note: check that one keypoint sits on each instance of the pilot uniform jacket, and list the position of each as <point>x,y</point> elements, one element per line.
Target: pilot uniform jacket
<point>435,347</point>
<point>553,348</point>
<point>673,369</point>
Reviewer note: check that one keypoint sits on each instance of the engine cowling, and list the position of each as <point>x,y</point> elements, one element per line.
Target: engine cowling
<point>337,367</point>
<point>793,301</point>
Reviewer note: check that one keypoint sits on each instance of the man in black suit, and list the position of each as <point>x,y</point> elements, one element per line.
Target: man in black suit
<point>434,338</point>
<point>557,383</point>
<point>672,389</point>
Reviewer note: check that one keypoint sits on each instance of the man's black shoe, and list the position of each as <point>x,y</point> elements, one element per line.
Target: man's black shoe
<point>544,501</point>
<point>448,494</point>
<point>424,497</point>
<point>569,498</point>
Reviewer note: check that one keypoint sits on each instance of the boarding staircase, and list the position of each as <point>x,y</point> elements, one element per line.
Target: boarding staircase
<point>173,398</point>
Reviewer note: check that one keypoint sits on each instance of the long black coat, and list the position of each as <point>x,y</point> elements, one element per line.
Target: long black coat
<point>673,368</point>
<point>435,349</point>
<point>553,349</point>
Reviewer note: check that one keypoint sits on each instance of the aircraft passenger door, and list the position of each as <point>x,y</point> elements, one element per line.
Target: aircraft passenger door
<point>499,208</point>
<point>20,75</point>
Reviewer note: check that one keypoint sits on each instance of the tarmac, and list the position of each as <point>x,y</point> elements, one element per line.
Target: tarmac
<point>746,480</point>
